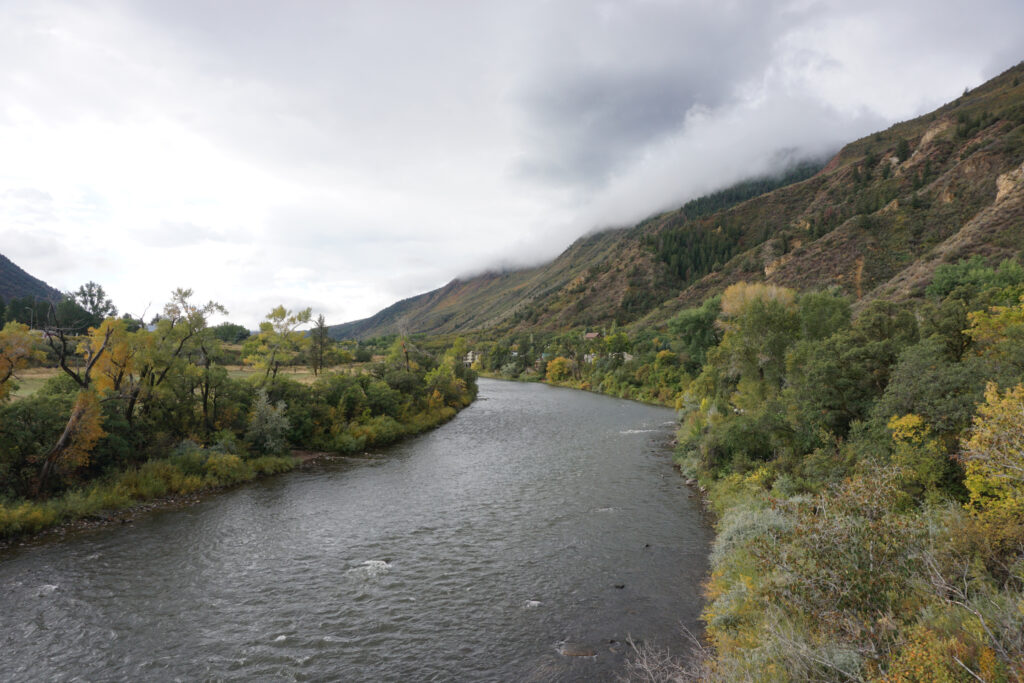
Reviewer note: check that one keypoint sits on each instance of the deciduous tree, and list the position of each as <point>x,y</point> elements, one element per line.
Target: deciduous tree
<point>994,455</point>
<point>279,340</point>
<point>94,301</point>
<point>17,349</point>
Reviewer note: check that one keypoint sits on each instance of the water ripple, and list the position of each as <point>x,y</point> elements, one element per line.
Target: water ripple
<point>481,551</point>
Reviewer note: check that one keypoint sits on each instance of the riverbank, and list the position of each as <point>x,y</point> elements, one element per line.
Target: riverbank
<point>580,385</point>
<point>183,477</point>
<point>126,515</point>
<point>537,518</point>
<point>177,479</point>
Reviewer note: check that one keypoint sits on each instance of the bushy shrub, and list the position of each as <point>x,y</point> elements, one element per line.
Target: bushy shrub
<point>379,430</point>
<point>26,518</point>
<point>269,464</point>
<point>225,469</point>
<point>267,426</point>
<point>347,443</point>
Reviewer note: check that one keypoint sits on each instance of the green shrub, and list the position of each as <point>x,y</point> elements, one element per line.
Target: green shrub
<point>225,469</point>
<point>190,462</point>
<point>348,443</point>
<point>27,518</point>
<point>269,464</point>
<point>267,426</point>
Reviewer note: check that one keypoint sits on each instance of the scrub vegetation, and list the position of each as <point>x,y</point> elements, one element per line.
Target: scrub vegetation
<point>131,413</point>
<point>866,470</point>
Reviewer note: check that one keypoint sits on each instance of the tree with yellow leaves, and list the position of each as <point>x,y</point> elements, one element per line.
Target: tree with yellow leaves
<point>279,340</point>
<point>994,456</point>
<point>925,470</point>
<point>17,348</point>
<point>84,428</point>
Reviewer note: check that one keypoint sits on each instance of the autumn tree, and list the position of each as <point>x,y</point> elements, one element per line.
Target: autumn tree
<point>559,369</point>
<point>181,337</point>
<point>17,349</point>
<point>75,444</point>
<point>994,455</point>
<point>761,322</point>
<point>279,340</point>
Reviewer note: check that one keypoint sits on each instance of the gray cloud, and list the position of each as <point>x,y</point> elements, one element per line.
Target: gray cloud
<point>355,153</point>
<point>615,79</point>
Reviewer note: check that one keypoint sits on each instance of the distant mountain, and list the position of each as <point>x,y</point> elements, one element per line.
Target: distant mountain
<point>16,283</point>
<point>875,221</point>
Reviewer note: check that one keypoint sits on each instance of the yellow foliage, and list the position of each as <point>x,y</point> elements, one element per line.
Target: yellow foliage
<point>559,369</point>
<point>762,477</point>
<point>111,339</point>
<point>737,297</point>
<point>925,658</point>
<point>994,455</point>
<point>436,400</point>
<point>921,459</point>
<point>86,425</point>
<point>989,327</point>
<point>910,428</point>
<point>17,348</point>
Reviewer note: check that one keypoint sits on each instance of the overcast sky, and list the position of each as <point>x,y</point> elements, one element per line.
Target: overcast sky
<point>344,155</point>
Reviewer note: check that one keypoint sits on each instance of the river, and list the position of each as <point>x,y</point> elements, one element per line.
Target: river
<point>538,516</point>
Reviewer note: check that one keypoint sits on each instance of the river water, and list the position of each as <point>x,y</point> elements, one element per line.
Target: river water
<point>537,517</point>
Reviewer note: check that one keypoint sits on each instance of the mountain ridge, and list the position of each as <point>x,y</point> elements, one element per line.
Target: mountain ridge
<point>15,283</point>
<point>875,221</point>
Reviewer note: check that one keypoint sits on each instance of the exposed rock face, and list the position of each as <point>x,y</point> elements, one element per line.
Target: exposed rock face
<point>1007,181</point>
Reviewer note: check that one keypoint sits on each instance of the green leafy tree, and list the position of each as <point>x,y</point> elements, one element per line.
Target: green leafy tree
<point>231,333</point>
<point>697,328</point>
<point>822,314</point>
<point>94,301</point>
<point>319,345</point>
<point>279,340</point>
<point>761,323</point>
<point>928,384</point>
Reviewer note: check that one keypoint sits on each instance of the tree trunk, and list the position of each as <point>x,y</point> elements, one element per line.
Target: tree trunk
<point>53,455</point>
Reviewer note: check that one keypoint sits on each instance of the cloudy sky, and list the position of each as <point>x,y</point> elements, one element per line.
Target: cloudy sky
<point>343,155</point>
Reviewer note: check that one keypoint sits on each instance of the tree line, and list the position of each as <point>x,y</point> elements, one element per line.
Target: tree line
<point>141,411</point>
<point>867,470</point>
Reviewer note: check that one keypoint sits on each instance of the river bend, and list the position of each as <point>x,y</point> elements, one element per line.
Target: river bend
<point>538,516</point>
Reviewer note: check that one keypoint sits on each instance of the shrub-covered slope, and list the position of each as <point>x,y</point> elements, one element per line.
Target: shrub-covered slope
<point>876,221</point>
<point>16,283</point>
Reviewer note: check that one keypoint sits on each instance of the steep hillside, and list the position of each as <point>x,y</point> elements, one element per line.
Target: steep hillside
<point>527,296</point>
<point>16,283</point>
<point>875,221</point>
<point>890,207</point>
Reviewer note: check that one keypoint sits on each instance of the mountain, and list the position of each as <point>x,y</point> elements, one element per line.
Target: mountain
<point>876,221</point>
<point>16,283</point>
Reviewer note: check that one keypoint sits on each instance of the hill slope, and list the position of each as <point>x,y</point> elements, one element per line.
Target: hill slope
<point>875,221</point>
<point>16,283</point>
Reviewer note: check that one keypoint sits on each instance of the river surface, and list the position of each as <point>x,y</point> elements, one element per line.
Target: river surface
<point>538,516</point>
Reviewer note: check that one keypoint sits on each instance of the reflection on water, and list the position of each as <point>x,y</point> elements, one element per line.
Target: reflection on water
<point>539,520</point>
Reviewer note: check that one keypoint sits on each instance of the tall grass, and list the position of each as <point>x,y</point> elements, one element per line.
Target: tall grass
<point>190,470</point>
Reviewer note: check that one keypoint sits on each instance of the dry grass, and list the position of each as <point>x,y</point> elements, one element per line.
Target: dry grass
<point>299,373</point>
<point>30,380</point>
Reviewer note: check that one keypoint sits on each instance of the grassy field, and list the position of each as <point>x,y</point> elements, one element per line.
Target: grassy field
<point>31,379</point>
<point>298,373</point>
